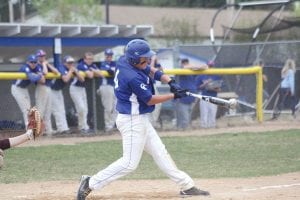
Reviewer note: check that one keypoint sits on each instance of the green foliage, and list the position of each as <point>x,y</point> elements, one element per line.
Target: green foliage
<point>181,29</point>
<point>227,155</point>
<point>69,11</point>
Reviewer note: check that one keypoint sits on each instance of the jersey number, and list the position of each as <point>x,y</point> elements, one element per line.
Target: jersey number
<point>116,79</point>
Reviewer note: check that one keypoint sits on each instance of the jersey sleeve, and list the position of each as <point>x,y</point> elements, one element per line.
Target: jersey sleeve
<point>82,67</point>
<point>141,90</point>
<point>33,77</point>
<point>62,70</point>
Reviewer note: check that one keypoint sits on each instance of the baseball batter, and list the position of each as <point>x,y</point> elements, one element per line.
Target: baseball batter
<point>19,88</point>
<point>135,100</point>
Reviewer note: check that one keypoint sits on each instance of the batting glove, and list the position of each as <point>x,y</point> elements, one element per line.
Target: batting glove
<point>174,87</point>
<point>180,94</point>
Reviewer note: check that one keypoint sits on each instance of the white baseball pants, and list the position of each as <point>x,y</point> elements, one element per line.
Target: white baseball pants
<point>138,134</point>
<point>59,111</point>
<point>78,95</point>
<point>109,103</point>
<point>43,104</point>
<point>23,100</point>
<point>208,112</point>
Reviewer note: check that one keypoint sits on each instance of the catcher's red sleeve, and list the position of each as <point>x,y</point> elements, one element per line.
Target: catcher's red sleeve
<point>4,144</point>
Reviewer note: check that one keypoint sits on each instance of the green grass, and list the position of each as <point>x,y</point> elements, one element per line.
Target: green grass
<point>226,155</point>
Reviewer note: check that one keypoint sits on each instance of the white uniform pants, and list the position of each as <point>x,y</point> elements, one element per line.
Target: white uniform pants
<point>23,100</point>
<point>43,104</point>
<point>208,112</point>
<point>109,104</point>
<point>59,111</point>
<point>138,134</point>
<point>78,95</point>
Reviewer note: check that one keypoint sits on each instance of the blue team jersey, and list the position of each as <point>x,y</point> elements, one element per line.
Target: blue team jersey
<point>82,66</point>
<point>187,82</point>
<point>33,75</point>
<point>133,89</point>
<point>58,84</point>
<point>200,80</point>
<point>110,68</point>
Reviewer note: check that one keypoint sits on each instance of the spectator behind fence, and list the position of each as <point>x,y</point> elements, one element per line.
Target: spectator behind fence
<point>209,85</point>
<point>261,63</point>
<point>78,91</point>
<point>155,114</point>
<point>67,69</point>
<point>19,88</point>
<point>106,91</point>
<point>184,106</point>
<point>287,88</point>
<point>43,91</point>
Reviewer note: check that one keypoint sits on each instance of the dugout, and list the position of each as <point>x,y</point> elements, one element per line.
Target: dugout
<point>17,41</point>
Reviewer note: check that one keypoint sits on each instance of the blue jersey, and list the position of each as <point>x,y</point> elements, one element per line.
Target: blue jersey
<point>187,82</point>
<point>58,84</point>
<point>82,66</point>
<point>33,75</point>
<point>200,80</point>
<point>110,68</point>
<point>133,89</point>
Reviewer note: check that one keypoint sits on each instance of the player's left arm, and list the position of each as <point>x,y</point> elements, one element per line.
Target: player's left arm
<point>141,90</point>
<point>52,68</point>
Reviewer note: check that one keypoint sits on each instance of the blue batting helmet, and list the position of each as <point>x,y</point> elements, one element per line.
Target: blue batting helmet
<point>40,53</point>
<point>137,49</point>
<point>31,58</point>
<point>108,52</point>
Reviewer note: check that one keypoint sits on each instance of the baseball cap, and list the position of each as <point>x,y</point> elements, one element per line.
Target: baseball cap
<point>210,63</point>
<point>40,53</point>
<point>31,58</point>
<point>108,52</point>
<point>68,59</point>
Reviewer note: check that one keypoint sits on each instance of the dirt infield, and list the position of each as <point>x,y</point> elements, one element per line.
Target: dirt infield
<point>281,187</point>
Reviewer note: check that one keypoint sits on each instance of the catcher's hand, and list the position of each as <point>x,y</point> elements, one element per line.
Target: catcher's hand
<point>35,122</point>
<point>1,158</point>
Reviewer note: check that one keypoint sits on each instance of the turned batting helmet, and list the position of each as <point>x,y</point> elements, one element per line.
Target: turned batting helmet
<point>137,49</point>
<point>31,58</point>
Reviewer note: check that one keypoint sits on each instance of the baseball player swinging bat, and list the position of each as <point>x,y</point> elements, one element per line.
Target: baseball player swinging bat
<point>231,103</point>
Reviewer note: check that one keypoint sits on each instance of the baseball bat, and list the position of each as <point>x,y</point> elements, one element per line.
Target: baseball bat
<point>231,103</point>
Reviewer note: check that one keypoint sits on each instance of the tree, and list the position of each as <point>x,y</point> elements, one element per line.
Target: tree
<point>69,11</point>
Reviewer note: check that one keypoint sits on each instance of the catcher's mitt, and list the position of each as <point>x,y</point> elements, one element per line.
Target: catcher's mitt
<point>35,122</point>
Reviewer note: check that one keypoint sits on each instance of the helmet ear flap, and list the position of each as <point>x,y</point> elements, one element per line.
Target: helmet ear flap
<point>134,61</point>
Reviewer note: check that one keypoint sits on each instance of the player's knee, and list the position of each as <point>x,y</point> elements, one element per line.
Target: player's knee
<point>130,165</point>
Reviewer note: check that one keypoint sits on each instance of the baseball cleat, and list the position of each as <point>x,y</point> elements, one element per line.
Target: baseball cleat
<point>194,192</point>
<point>83,190</point>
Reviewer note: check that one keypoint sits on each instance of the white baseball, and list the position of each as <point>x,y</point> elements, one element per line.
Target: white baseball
<point>232,103</point>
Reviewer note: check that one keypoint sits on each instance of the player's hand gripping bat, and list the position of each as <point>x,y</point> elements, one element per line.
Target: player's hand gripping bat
<point>231,103</point>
